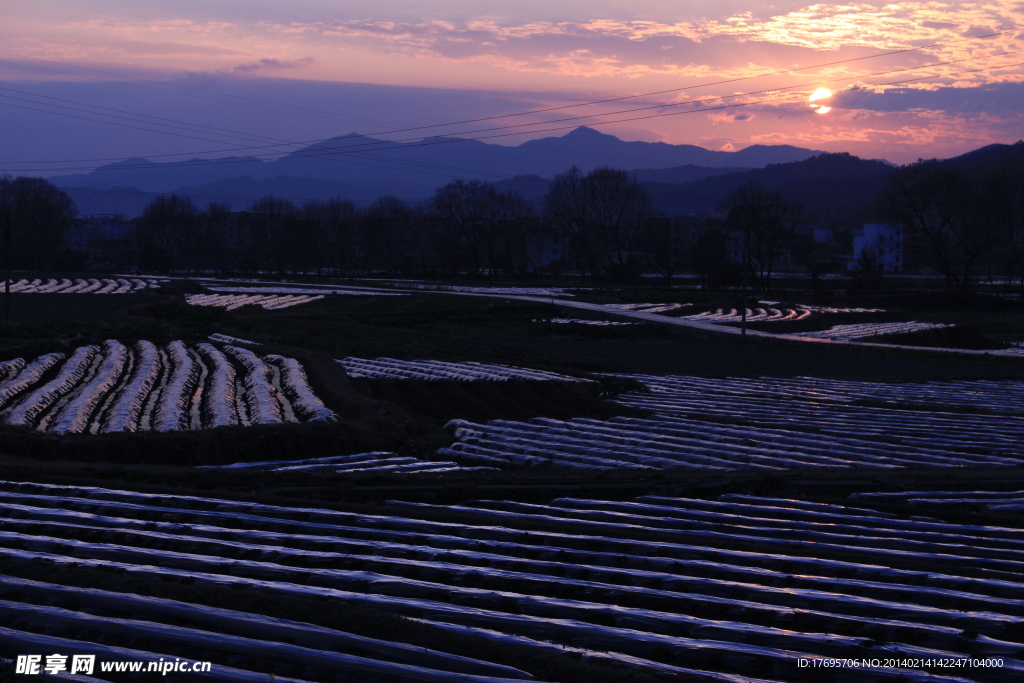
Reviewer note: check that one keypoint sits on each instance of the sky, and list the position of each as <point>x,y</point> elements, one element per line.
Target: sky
<point>84,82</point>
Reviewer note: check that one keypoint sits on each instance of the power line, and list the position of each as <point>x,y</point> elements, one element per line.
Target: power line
<point>113,116</point>
<point>625,97</point>
<point>376,145</point>
<point>699,102</point>
<point>704,85</point>
<point>667,196</point>
<point>112,123</point>
<point>182,90</point>
<point>118,114</point>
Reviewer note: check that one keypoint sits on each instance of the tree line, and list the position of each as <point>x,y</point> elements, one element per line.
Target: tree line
<point>961,222</point>
<point>591,223</point>
<point>599,225</point>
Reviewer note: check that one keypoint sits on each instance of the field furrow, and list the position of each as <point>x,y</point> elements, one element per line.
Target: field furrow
<point>720,588</point>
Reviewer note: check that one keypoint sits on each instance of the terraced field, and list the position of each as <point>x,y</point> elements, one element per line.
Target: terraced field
<point>116,388</point>
<point>768,424</point>
<point>434,370</point>
<point>89,286</point>
<point>579,321</point>
<point>375,462</point>
<point>582,524</point>
<point>766,314</point>
<point>230,302</point>
<point>991,501</point>
<point>739,588</point>
<point>269,298</point>
<point>866,330</point>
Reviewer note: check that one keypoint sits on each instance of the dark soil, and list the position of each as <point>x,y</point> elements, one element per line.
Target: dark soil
<point>91,308</point>
<point>943,337</point>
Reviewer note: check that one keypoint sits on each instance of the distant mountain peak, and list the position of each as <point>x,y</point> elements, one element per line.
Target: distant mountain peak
<point>586,131</point>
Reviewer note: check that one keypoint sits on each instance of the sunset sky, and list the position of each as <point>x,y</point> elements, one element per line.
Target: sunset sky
<point>258,74</point>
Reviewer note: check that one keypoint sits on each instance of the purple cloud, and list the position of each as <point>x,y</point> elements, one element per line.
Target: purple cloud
<point>273,64</point>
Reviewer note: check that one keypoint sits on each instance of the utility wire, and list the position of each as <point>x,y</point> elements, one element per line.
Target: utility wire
<point>119,114</point>
<point>615,99</point>
<point>663,195</point>
<point>377,145</point>
<point>779,72</point>
<point>198,93</point>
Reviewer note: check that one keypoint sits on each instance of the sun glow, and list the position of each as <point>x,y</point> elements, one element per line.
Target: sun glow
<point>820,94</point>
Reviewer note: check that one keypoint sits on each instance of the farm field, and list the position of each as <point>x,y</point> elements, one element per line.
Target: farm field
<point>739,586</point>
<point>119,285</point>
<point>768,424</point>
<point>449,485</point>
<point>114,388</point>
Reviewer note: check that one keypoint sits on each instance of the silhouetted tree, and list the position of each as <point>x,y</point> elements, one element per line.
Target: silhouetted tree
<point>712,261</point>
<point>1005,199</point>
<point>566,208</point>
<point>464,207</point>
<point>765,223</point>
<point>665,248</point>
<point>513,242</point>
<point>166,233</point>
<point>867,273</point>
<point>817,258</point>
<point>332,234</point>
<point>948,219</point>
<point>220,238</point>
<point>599,218</point>
<point>619,208</point>
<point>385,232</point>
<point>273,234</point>
<point>40,217</point>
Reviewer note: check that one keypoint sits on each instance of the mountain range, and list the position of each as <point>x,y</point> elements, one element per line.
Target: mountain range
<point>681,179</point>
<point>363,168</point>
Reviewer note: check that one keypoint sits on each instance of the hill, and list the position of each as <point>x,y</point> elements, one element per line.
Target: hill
<point>825,181</point>
<point>363,167</point>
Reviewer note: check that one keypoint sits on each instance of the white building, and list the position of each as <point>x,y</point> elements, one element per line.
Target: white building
<point>884,241</point>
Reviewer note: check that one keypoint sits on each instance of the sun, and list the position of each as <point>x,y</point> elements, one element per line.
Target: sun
<point>820,94</point>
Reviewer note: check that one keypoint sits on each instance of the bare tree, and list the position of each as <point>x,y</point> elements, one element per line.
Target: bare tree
<point>765,223</point>
<point>274,233</point>
<point>165,231</point>
<point>949,224</point>
<point>220,240</point>
<point>816,257</point>
<point>511,246</point>
<point>40,216</point>
<point>567,208</point>
<point>385,231</point>
<point>600,218</point>
<point>667,251</point>
<point>1005,198</point>
<point>712,260</point>
<point>332,234</point>
<point>619,208</point>
<point>466,207</point>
